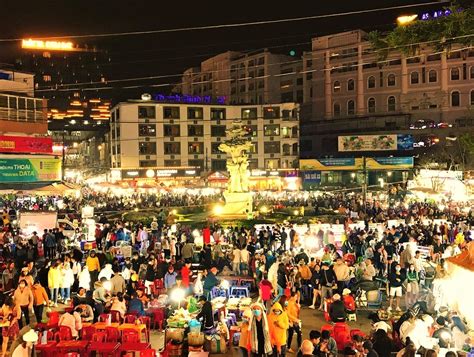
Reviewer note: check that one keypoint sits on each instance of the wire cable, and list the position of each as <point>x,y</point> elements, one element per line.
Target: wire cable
<point>233,25</point>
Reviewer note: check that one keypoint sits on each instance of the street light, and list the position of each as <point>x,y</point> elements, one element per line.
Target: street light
<point>406,19</point>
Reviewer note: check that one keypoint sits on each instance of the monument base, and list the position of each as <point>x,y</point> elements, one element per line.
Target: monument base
<point>237,203</point>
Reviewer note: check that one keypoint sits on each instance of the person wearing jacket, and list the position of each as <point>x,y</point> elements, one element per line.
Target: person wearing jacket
<point>278,325</point>
<point>85,279</point>
<point>24,298</point>
<point>244,341</point>
<point>327,281</point>
<point>170,277</point>
<point>206,313</point>
<point>260,340</point>
<point>293,312</point>
<point>337,310</point>
<point>54,282</point>
<point>93,265</point>
<point>40,299</point>
<point>412,286</point>
<point>67,280</point>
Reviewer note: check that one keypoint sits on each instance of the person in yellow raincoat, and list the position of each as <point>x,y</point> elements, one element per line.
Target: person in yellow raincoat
<point>278,324</point>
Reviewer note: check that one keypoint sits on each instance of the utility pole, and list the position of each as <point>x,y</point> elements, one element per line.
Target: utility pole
<point>63,170</point>
<point>364,183</point>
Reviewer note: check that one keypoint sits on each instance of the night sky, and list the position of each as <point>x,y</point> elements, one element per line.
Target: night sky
<point>157,54</point>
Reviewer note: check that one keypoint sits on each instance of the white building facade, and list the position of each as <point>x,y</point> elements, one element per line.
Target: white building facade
<point>148,135</point>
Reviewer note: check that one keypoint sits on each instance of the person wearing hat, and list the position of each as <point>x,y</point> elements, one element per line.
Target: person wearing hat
<point>349,302</point>
<point>24,349</point>
<point>93,265</point>
<point>278,324</point>
<point>260,340</point>
<point>244,341</point>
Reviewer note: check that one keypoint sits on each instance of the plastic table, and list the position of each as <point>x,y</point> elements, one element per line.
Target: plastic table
<point>46,349</point>
<point>133,347</point>
<point>105,348</point>
<point>72,346</point>
<point>137,327</point>
<point>103,325</point>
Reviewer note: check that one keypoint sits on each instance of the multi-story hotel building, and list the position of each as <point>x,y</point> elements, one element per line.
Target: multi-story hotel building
<point>246,78</point>
<point>149,139</point>
<point>351,89</point>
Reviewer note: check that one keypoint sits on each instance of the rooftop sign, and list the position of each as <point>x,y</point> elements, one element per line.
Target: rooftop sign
<point>47,45</point>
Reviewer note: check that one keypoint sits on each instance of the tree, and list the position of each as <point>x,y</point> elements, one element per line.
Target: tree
<point>440,33</point>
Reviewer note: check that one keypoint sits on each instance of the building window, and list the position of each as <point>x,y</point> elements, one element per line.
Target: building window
<point>454,74</point>
<point>195,113</point>
<point>147,163</point>
<point>218,165</point>
<point>337,110</point>
<point>337,86</point>
<point>286,97</point>
<point>147,148</point>
<point>217,130</point>
<point>414,78</point>
<point>195,148</point>
<point>371,105</point>
<point>261,60</point>
<point>172,148</point>
<point>215,148</point>
<point>252,130</point>
<point>172,163</point>
<point>271,112</point>
<point>171,130</point>
<point>249,113</point>
<point>350,85</point>
<point>391,81</point>
<point>146,130</point>
<point>272,164</point>
<point>46,78</point>
<point>472,98</point>
<point>195,130</point>
<point>455,99</point>
<point>472,72</point>
<point>217,113</point>
<point>286,149</point>
<point>351,107</point>
<point>271,130</point>
<point>391,103</point>
<point>432,76</point>
<point>271,147</point>
<point>171,112</point>
<point>371,82</point>
<point>147,112</point>
<point>196,163</point>
<point>261,84</point>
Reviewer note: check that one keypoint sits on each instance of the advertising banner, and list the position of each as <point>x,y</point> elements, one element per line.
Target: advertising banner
<point>29,169</point>
<point>375,142</point>
<point>392,163</point>
<point>25,144</point>
<point>312,177</point>
<point>331,164</point>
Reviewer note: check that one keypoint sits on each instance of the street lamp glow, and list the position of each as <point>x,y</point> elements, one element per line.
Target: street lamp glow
<point>174,212</point>
<point>218,210</point>
<point>225,284</point>
<point>406,19</point>
<point>177,295</point>
<point>264,209</point>
<point>150,173</point>
<point>296,212</point>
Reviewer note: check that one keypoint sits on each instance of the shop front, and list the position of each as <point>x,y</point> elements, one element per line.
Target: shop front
<point>150,178</point>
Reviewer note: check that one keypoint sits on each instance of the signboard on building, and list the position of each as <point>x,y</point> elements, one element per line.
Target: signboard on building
<point>157,173</point>
<point>25,144</point>
<point>312,177</point>
<point>389,163</point>
<point>29,169</point>
<point>189,99</point>
<point>375,142</point>
<point>331,164</point>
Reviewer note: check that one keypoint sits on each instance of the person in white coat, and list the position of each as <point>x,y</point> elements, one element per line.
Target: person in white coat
<point>85,279</point>
<point>66,282</point>
<point>107,272</point>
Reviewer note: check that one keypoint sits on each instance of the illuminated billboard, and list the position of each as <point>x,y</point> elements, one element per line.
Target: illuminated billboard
<point>47,45</point>
<point>29,169</point>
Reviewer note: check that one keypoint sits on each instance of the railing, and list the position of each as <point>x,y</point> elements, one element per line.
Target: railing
<point>23,115</point>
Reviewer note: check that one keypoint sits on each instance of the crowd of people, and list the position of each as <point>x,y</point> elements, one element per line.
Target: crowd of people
<point>120,274</point>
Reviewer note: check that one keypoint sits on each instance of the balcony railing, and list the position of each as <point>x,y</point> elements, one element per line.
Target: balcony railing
<point>22,109</point>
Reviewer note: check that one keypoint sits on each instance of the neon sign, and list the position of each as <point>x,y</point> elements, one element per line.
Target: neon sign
<point>434,15</point>
<point>47,45</point>
<point>189,99</point>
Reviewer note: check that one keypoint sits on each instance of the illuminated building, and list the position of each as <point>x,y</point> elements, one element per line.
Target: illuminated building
<point>350,91</point>
<point>164,141</point>
<point>246,78</point>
